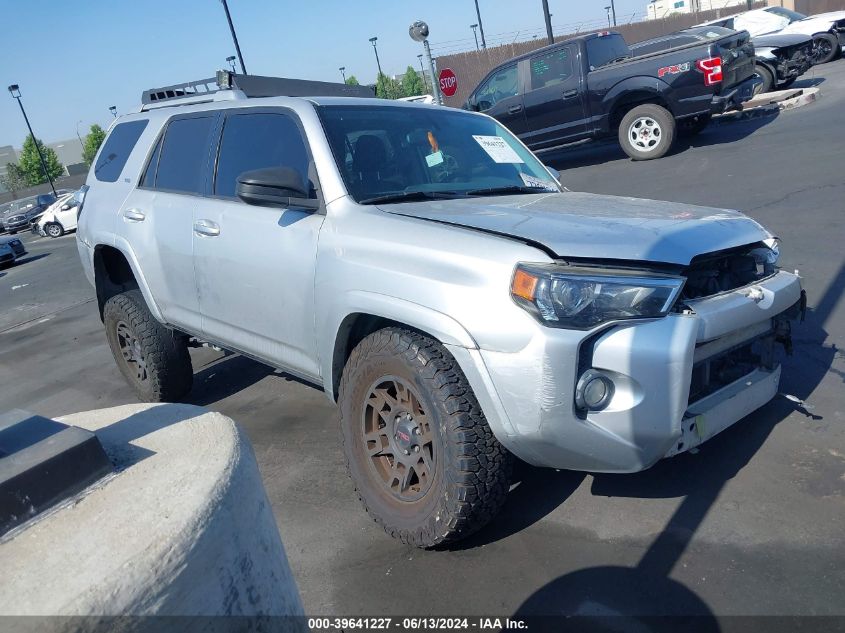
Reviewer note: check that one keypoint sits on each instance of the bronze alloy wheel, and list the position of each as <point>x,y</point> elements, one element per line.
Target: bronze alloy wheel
<point>130,349</point>
<point>398,439</point>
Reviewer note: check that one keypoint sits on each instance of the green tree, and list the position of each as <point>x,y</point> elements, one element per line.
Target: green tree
<point>412,84</point>
<point>30,163</point>
<point>352,81</point>
<point>387,88</point>
<point>92,143</point>
<point>14,179</point>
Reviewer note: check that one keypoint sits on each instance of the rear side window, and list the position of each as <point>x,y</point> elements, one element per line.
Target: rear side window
<point>119,145</point>
<point>552,68</point>
<point>255,141</point>
<point>605,49</point>
<point>183,155</point>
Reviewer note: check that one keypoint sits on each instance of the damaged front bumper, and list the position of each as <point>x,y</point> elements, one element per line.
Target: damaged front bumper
<point>676,381</point>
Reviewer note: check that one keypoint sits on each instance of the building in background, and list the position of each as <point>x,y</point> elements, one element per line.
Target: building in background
<point>657,9</point>
<point>69,154</point>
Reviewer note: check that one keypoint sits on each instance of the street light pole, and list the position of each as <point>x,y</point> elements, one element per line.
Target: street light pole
<point>613,10</point>
<point>231,60</point>
<point>234,36</point>
<point>608,16</point>
<point>77,132</point>
<point>373,41</point>
<point>548,19</point>
<point>475,34</point>
<point>15,91</point>
<point>113,110</point>
<point>342,70</point>
<point>480,26</point>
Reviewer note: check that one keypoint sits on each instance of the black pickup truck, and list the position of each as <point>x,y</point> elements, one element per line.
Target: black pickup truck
<point>591,87</point>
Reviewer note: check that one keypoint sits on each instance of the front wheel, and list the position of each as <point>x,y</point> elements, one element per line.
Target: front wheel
<point>423,459</point>
<point>825,48</point>
<point>153,359</point>
<point>647,132</point>
<point>54,230</point>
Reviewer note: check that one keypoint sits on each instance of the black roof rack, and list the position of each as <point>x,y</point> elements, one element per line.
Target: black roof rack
<point>253,86</point>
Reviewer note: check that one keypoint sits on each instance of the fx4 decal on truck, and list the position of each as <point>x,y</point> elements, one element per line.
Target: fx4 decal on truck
<point>673,70</point>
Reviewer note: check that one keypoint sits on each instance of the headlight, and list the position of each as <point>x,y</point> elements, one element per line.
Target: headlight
<point>570,299</point>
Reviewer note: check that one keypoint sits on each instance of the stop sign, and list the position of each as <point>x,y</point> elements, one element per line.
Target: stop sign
<point>448,82</point>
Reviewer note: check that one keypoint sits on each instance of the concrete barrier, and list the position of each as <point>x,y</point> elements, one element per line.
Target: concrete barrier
<point>770,103</point>
<point>183,528</point>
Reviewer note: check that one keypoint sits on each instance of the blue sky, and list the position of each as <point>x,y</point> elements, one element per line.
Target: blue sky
<point>90,54</point>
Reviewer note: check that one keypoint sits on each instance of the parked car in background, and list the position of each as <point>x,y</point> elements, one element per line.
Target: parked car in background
<point>826,29</point>
<point>7,255</point>
<point>15,244</point>
<point>592,87</point>
<point>779,59</point>
<point>23,211</point>
<point>59,218</point>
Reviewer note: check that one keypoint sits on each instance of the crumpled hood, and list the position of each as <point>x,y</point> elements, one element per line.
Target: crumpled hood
<point>582,225</point>
<point>779,40</point>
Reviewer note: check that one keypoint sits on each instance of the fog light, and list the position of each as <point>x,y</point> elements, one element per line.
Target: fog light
<point>593,391</point>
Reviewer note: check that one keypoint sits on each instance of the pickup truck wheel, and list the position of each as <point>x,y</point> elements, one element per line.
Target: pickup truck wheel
<point>647,132</point>
<point>825,48</point>
<point>54,230</point>
<point>153,359</point>
<point>768,80</point>
<point>423,459</point>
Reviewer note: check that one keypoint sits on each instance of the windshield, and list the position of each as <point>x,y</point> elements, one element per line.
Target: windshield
<point>792,16</point>
<point>387,151</point>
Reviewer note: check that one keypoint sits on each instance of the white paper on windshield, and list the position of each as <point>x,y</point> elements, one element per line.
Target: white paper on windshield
<point>531,181</point>
<point>434,159</point>
<point>498,149</point>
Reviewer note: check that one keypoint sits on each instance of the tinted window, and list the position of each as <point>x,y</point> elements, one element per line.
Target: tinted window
<point>183,155</point>
<point>255,141</point>
<point>605,49</point>
<point>115,152</point>
<point>552,68</point>
<point>148,179</point>
<point>500,86</point>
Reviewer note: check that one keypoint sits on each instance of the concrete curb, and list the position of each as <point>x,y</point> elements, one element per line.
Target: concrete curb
<point>770,103</point>
<point>183,528</point>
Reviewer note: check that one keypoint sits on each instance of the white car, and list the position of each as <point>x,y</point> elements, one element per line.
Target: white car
<point>60,217</point>
<point>826,29</point>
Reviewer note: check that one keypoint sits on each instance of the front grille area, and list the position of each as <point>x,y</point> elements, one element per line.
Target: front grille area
<point>726,270</point>
<point>712,374</point>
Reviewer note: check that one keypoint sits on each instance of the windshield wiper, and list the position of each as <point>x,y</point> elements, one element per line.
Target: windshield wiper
<point>411,196</point>
<point>497,191</point>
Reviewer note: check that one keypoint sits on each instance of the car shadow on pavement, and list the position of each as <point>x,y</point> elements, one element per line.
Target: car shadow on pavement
<point>600,152</point>
<point>31,258</point>
<point>225,377</point>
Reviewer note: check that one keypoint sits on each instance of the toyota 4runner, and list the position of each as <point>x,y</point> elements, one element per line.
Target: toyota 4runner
<point>422,267</point>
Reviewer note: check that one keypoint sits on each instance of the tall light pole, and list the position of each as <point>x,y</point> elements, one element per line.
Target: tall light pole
<point>234,36</point>
<point>373,41</point>
<point>422,72</point>
<point>15,91</point>
<point>342,70</point>
<point>475,34</point>
<point>480,26</point>
<point>231,60</point>
<point>77,132</point>
<point>548,19</point>
<point>419,33</point>
<point>608,16</point>
<point>613,10</point>
<point>113,110</point>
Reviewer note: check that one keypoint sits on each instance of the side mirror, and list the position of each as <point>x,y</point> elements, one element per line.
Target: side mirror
<point>66,207</point>
<point>481,106</point>
<point>274,187</point>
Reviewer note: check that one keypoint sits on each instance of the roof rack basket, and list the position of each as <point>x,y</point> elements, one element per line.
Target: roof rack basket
<point>252,86</point>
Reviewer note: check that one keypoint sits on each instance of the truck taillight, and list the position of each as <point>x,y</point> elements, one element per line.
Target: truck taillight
<point>712,69</point>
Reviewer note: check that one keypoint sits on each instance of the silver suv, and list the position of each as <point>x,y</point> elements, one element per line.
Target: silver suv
<point>422,267</point>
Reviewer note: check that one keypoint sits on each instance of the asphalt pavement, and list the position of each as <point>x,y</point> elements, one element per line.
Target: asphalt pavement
<point>751,524</point>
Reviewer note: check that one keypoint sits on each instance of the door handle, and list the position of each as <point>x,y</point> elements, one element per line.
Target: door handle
<point>568,94</point>
<point>514,109</point>
<point>206,228</point>
<point>134,215</point>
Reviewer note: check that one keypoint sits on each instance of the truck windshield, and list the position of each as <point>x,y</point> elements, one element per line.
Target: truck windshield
<point>606,49</point>
<point>410,153</point>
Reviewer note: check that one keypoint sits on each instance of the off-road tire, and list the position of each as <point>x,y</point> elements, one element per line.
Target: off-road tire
<point>652,112</point>
<point>831,46</point>
<point>472,470</point>
<point>56,233</point>
<point>693,126</point>
<point>165,351</point>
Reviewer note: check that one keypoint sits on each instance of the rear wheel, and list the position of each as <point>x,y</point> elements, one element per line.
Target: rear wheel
<point>153,359</point>
<point>825,48</point>
<point>54,229</point>
<point>768,79</point>
<point>422,457</point>
<point>647,132</point>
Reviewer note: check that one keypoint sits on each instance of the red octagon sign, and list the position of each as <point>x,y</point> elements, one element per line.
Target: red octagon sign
<point>448,82</point>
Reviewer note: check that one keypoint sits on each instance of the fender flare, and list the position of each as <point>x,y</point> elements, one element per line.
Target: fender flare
<point>125,249</point>
<point>641,83</point>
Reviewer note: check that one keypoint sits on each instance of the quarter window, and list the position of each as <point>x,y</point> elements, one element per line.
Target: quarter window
<point>256,141</point>
<point>184,155</point>
<point>120,143</point>
<point>552,68</point>
<point>500,86</point>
